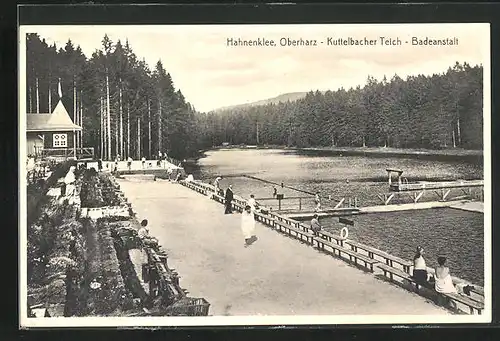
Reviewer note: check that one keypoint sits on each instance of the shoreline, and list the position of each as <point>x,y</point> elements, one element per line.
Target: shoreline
<point>468,155</point>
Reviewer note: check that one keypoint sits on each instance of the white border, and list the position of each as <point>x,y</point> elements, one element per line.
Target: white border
<point>251,320</point>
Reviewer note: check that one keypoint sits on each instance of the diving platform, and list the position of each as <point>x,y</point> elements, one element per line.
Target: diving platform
<point>423,185</point>
<point>403,185</point>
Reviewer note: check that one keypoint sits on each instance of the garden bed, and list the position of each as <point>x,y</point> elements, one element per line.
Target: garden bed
<point>78,266</point>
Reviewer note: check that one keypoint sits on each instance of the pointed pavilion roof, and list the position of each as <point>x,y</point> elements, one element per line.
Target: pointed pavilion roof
<point>58,120</point>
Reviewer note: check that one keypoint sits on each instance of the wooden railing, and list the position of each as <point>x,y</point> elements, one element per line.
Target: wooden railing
<point>344,247</point>
<point>86,152</point>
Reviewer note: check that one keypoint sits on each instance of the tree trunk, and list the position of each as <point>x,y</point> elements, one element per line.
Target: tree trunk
<point>159,128</point>
<point>121,121</point>
<point>128,130</point>
<point>50,99</point>
<point>37,98</point>
<point>453,138</point>
<point>108,118</point>
<point>117,138</point>
<point>149,130</point>
<point>138,138</point>
<point>458,132</point>
<point>101,107</point>
<point>364,142</point>
<point>257,124</point>
<point>30,100</point>
<point>75,112</point>
<point>80,116</point>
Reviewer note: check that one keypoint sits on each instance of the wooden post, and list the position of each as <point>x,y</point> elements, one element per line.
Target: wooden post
<point>389,175</point>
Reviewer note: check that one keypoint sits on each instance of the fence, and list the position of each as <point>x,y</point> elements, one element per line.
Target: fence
<point>81,153</point>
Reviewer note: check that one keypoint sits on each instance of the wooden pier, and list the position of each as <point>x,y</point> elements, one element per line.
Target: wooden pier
<point>206,246</point>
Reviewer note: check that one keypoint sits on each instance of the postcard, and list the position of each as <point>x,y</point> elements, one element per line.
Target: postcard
<point>208,175</point>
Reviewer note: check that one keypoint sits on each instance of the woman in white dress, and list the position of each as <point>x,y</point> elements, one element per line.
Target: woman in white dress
<point>252,203</point>
<point>248,225</point>
<point>444,282</point>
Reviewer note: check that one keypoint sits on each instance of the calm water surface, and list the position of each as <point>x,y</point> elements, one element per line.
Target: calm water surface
<point>457,234</point>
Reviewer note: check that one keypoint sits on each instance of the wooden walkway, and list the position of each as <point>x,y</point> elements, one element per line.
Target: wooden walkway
<point>274,276</point>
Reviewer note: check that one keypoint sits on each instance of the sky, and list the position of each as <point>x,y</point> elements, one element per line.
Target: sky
<point>212,74</point>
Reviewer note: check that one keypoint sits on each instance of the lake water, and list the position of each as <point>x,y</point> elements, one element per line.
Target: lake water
<point>455,233</point>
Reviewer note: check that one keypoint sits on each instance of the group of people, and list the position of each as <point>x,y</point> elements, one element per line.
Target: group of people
<point>161,158</point>
<point>442,280</point>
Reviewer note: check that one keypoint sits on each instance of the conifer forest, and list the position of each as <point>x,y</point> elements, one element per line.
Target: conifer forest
<point>128,108</point>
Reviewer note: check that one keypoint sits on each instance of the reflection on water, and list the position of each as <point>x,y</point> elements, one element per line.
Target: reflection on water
<point>457,234</point>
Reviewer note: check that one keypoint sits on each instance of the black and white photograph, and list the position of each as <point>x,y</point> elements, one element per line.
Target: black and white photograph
<point>209,175</point>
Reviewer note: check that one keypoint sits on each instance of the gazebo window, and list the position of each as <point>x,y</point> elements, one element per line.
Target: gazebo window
<point>60,140</point>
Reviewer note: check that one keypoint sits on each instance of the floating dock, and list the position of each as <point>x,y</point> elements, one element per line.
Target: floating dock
<point>471,206</point>
<point>458,204</point>
<point>423,185</point>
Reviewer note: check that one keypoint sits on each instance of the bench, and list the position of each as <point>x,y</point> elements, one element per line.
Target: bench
<point>389,259</point>
<point>472,304</point>
<point>288,229</point>
<point>331,237</point>
<point>387,269</point>
<point>353,256</point>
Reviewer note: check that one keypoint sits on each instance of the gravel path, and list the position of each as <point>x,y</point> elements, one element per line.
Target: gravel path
<point>274,276</point>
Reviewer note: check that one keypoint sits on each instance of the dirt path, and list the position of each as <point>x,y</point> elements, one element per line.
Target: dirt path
<point>274,276</point>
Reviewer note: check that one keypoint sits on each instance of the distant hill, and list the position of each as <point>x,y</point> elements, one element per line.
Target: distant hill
<point>292,96</point>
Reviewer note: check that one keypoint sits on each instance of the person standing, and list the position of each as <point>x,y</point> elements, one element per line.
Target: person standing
<point>143,160</point>
<point>248,225</point>
<point>317,201</point>
<point>315,225</point>
<point>252,203</point>
<point>69,181</point>
<point>129,163</point>
<point>228,200</point>
<point>216,185</point>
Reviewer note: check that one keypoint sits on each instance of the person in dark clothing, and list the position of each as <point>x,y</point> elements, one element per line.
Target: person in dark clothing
<point>419,267</point>
<point>228,199</point>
